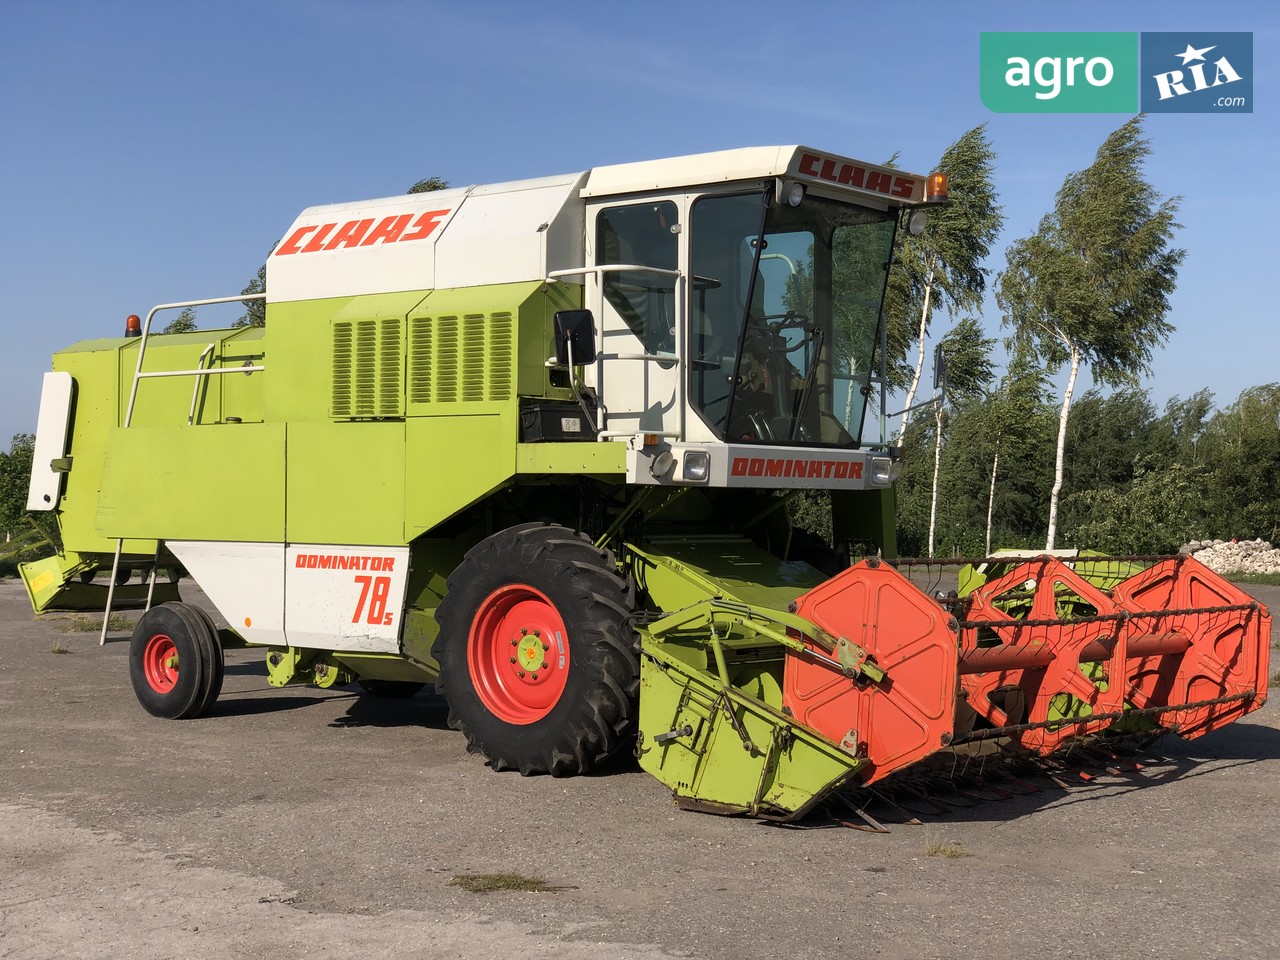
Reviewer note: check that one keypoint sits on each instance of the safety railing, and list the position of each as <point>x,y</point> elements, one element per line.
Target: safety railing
<point>138,375</point>
<point>676,357</point>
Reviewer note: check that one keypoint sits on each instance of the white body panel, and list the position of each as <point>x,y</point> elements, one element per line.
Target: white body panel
<point>318,596</point>
<point>345,598</point>
<point>245,581</point>
<point>754,465</point>
<point>51,440</point>
<point>503,233</point>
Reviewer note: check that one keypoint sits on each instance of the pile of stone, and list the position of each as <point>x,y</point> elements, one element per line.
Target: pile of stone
<point>1231,556</point>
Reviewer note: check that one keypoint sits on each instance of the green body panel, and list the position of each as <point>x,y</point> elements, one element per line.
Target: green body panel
<point>215,482</point>
<point>54,584</point>
<point>583,459</point>
<point>679,571</point>
<point>346,482</point>
<point>372,666</point>
<point>299,379</point>
<point>453,462</point>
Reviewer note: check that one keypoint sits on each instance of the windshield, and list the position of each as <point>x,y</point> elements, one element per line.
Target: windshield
<point>809,288</point>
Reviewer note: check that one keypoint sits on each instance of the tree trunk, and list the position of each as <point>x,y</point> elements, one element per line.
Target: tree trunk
<point>1062,445</point>
<point>848,403</point>
<point>991,495</point>
<point>915,379</point>
<point>937,459</point>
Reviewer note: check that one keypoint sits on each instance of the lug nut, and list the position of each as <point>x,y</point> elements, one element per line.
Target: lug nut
<point>533,676</point>
<point>546,646</point>
<point>519,673</point>
<point>511,659</point>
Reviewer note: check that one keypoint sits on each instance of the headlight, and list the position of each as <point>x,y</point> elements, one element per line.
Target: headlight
<point>661,465</point>
<point>881,470</point>
<point>697,466</point>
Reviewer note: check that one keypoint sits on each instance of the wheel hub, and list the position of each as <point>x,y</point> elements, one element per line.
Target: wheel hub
<point>518,653</point>
<point>160,663</point>
<point>529,653</point>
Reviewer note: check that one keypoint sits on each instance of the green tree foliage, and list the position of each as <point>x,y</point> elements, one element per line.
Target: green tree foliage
<point>184,322</point>
<point>1138,480</point>
<point>15,477</point>
<point>965,355</point>
<point>1160,509</point>
<point>943,267</point>
<point>429,185</point>
<point>1012,418</point>
<point>23,535</point>
<point>1240,447</point>
<point>255,311</point>
<point>1091,285</point>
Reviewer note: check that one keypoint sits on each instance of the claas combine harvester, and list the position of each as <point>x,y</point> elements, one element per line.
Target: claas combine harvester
<point>533,443</point>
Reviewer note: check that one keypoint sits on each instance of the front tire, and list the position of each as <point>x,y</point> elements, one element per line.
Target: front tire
<point>538,661</point>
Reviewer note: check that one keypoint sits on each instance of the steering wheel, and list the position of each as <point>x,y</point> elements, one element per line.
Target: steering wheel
<point>791,320</point>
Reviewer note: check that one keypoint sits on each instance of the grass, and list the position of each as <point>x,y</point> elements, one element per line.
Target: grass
<point>59,648</point>
<point>81,624</point>
<point>946,850</point>
<point>1239,577</point>
<point>497,882</point>
<point>1275,679</point>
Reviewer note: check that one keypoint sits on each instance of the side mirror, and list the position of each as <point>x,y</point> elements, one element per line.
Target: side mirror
<point>576,328</point>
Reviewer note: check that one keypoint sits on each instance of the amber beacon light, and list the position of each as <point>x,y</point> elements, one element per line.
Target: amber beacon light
<point>936,188</point>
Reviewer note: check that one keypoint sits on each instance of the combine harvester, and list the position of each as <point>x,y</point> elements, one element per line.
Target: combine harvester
<point>533,443</point>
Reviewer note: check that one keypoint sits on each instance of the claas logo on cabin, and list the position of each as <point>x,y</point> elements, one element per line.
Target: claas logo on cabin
<point>400,228</point>
<point>857,176</point>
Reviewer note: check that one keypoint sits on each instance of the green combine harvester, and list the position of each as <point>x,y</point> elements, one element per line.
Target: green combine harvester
<point>533,443</point>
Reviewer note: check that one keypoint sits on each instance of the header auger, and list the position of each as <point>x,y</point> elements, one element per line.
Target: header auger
<point>533,443</point>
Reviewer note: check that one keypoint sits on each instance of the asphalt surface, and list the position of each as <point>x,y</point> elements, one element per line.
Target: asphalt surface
<point>312,823</point>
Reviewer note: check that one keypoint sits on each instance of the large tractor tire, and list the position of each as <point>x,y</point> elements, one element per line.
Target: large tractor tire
<point>175,661</point>
<point>539,663</point>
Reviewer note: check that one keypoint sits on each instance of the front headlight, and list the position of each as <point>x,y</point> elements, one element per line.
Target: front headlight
<point>696,466</point>
<point>881,470</point>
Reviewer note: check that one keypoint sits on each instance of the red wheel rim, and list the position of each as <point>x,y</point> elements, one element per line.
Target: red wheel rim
<point>518,654</point>
<point>160,663</point>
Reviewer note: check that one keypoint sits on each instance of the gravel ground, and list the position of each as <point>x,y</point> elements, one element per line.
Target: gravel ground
<point>324,824</point>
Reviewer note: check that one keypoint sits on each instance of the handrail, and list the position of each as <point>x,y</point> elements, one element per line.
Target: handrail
<point>195,387</point>
<point>677,357</point>
<point>146,332</point>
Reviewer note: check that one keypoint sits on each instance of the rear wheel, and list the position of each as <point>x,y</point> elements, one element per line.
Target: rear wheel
<point>538,660</point>
<point>175,661</point>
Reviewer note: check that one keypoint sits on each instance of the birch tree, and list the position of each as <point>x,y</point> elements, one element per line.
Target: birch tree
<point>966,354</point>
<point>943,266</point>
<point>1091,286</point>
<point>1010,414</point>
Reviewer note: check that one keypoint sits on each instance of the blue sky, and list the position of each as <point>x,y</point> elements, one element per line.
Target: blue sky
<point>155,151</point>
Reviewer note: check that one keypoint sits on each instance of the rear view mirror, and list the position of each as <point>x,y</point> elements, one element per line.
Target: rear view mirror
<point>576,329</point>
